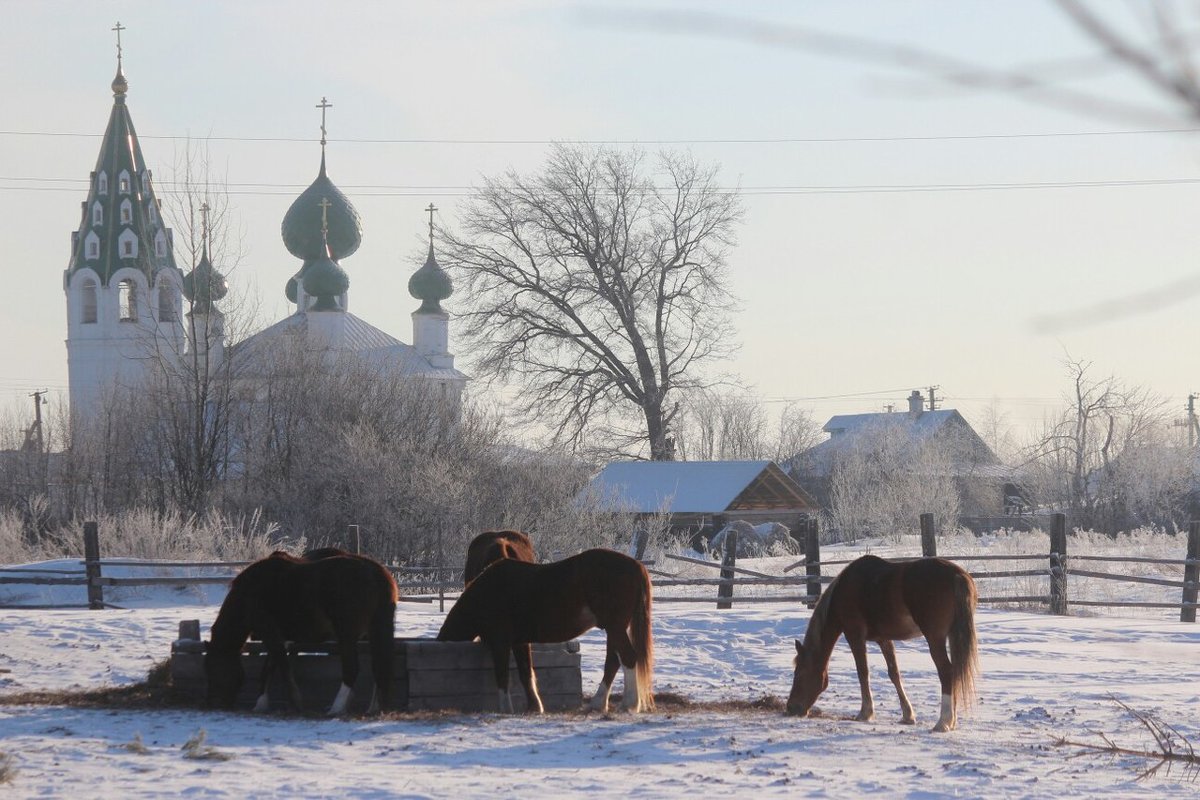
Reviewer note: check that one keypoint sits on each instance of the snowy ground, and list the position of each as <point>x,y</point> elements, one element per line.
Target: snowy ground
<point>1043,678</point>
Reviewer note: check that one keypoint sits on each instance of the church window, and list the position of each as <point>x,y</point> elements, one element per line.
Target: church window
<point>160,245</point>
<point>97,213</point>
<point>127,300</point>
<point>146,182</point>
<point>128,247</point>
<point>166,303</point>
<point>91,245</point>
<point>88,304</point>
<point>151,211</point>
<point>102,183</point>
<point>126,212</point>
<point>123,182</point>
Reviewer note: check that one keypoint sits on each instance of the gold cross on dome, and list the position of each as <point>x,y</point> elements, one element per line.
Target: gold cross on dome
<point>431,208</point>
<point>323,105</point>
<point>324,204</point>
<point>118,28</point>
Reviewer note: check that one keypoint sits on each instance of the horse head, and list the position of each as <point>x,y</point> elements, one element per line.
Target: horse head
<point>810,679</point>
<point>224,675</point>
<point>458,626</point>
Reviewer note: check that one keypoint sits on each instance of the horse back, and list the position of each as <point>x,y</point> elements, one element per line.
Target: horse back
<point>898,599</point>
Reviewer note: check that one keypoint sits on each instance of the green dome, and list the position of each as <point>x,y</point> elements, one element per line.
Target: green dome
<point>292,290</point>
<point>430,284</point>
<point>326,281</point>
<point>302,223</point>
<point>204,285</point>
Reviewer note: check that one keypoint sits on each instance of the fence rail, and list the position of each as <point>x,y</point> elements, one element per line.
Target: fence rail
<point>440,580</point>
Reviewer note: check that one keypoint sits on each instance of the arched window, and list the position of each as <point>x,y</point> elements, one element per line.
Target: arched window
<point>126,211</point>
<point>97,213</point>
<point>88,301</point>
<point>91,245</point>
<point>146,182</point>
<point>102,183</point>
<point>123,182</point>
<point>151,211</point>
<point>166,302</point>
<point>160,245</point>
<point>127,300</point>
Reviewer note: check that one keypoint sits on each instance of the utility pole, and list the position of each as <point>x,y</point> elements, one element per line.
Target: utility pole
<point>33,437</point>
<point>1191,420</point>
<point>932,398</point>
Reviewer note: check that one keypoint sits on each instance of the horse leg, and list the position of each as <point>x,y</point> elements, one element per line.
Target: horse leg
<point>523,655</point>
<point>948,720</point>
<point>348,647</point>
<point>611,662</point>
<point>263,704</point>
<point>889,655</point>
<point>500,651</point>
<point>618,640</point>
<point>277,659</point>
<point>858,646</point>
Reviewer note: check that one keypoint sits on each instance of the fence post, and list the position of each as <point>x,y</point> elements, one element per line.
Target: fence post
<point>812,561</point>
<point>928,540</point>
<point>638,546</point>
<point>91,565</point>
<point>1191,572</point>
<point>1058,564</point>
<point>725,590</point>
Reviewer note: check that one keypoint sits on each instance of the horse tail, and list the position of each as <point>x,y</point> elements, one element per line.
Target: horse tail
<point>381,634</point>
<point>964,652</point>
<point>643,643</point>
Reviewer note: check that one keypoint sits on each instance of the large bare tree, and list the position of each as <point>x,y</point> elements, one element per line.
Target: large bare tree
<point>598,287</point>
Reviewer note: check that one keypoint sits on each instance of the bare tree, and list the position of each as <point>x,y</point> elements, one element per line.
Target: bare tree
<point>599,292</point>
<point>730,425</point>
<point>1074,458</point>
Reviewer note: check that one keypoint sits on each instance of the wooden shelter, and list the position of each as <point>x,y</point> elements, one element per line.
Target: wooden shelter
<point>701,495</point>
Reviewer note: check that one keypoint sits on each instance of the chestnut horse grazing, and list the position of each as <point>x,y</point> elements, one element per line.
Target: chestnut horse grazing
<point>513,603</point>
<point>492,546</point>
<point>880,601</point>
<point>326,594</point>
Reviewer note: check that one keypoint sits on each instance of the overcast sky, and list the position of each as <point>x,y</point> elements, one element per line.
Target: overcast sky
<point>898,229</point>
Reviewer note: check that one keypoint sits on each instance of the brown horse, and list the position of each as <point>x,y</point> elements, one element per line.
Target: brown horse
<point>884,601</point>
<point>492,546</point>
<point>513,603</point>
<point>281,598</point>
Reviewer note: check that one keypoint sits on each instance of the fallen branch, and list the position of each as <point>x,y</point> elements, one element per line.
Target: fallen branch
<point>1173,747</point>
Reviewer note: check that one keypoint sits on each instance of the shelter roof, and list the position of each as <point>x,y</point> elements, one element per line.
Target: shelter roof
<point>696,487</point>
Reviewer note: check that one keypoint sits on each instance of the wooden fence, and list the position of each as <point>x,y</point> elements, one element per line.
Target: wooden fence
<point>426,584</point>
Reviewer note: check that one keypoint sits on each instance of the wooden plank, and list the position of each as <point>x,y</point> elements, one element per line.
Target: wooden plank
<point>443,682</point>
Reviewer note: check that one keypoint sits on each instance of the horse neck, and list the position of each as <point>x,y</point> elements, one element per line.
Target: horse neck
<point>824,628</point>
<point>231,628</point>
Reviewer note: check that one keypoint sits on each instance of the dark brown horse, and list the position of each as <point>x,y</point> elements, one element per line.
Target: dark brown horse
<point>328,594</point>
<point>513,603</point>
<point>492,546</point>
<point>880,601</point>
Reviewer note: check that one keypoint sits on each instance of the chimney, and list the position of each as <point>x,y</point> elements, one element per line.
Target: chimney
<point>916,403</point>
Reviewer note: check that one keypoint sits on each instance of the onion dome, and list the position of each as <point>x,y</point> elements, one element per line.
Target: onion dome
<point>430,284</point>
<point>291,290</point>
<point>302,223</point>
<point>324,280</point>
<point>204,285</point>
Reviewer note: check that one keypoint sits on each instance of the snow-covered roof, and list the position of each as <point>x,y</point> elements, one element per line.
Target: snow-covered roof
<point>695,487</point>
<point>847,430</point>
<point>358,336</point>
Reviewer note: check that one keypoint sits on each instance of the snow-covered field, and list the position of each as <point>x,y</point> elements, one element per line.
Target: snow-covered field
<point>1044,678</point>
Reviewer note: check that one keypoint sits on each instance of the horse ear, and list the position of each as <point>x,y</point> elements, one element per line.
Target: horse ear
<point>799,648</point>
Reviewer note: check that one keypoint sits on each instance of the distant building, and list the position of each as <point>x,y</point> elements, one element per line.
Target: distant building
<point>979,474</point>
<point>125,295</point>
<point>700,497</point>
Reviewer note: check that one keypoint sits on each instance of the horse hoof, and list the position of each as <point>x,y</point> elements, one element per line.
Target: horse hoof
<point>942,727</point>
<point>865,718</point>
<point>909,721</point>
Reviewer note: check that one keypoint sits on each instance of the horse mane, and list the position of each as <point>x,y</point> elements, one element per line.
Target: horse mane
<point>820,615</point>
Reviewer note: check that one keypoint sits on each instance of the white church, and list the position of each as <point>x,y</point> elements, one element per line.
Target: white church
<point>126,297</point>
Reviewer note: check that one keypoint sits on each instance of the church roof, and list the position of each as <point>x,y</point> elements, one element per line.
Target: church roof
<point>121,224</point>
<point>359,336</point>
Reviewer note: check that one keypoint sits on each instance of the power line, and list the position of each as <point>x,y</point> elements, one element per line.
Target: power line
<point>730,140</point>
<point>383,190</point>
